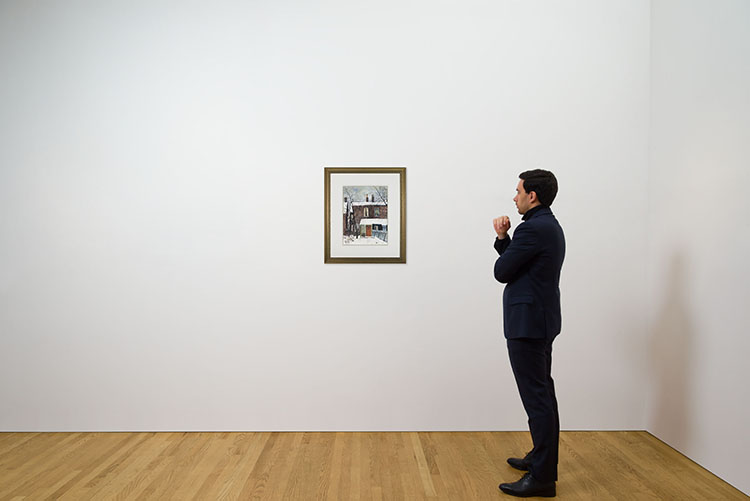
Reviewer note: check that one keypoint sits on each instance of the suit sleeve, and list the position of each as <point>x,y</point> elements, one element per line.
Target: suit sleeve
<point>501,245</point>
<point>515,253</point>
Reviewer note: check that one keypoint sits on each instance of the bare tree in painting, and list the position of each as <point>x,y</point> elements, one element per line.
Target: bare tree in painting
<point>351,227</point>
<point>382,193</point>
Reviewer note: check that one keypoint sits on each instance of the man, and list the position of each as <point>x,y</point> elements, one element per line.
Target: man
<point>530,265</point>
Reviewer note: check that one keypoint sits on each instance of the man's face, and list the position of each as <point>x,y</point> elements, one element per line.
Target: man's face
<point>522,199</point>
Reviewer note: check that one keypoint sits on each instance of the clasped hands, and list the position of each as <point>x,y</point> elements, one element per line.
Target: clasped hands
<point>502,225</point>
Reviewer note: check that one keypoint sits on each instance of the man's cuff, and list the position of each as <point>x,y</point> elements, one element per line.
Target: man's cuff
<point>501,244</point>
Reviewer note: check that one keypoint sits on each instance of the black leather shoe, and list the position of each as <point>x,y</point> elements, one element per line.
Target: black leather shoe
<point>528,487</point>
<point>519,463</point>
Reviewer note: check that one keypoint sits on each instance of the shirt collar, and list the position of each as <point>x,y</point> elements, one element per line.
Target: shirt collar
<point>531,212</point>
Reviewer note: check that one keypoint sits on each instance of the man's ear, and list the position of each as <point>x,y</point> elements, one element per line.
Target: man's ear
<point>532,197</point>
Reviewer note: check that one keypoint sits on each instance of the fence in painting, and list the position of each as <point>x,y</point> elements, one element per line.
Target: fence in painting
<point>381,234</point>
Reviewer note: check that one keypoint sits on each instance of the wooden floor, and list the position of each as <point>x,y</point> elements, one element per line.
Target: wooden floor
<point>340,466</point>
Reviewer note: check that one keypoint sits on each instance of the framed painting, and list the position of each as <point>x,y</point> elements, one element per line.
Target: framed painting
<point>365,215</point>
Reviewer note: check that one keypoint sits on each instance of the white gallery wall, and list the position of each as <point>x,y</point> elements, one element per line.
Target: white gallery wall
<point>161,211</point>
<point>699,233</point>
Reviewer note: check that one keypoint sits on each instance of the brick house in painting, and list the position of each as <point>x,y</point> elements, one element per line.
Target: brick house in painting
<point>368,218</point>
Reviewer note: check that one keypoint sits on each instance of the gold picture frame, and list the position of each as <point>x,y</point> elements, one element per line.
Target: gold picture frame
<point>364,221</point>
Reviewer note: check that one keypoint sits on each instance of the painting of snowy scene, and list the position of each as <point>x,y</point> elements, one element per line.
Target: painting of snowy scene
<point>365,212</point>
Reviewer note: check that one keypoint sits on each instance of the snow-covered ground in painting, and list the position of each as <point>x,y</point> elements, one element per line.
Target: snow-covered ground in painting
<point>350,240</point>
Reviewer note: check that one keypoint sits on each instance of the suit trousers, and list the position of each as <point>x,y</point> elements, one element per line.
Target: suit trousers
<point>531,360</point>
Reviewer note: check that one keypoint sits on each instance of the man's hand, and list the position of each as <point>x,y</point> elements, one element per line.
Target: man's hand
<point>502,225</point>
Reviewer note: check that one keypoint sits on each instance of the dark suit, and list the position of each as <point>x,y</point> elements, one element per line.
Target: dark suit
<point>530,265</point>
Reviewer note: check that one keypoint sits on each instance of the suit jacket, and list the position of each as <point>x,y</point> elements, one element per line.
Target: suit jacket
<point>530,265</point>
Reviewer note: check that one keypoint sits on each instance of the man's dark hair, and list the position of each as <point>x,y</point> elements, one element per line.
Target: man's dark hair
<point>543,182</point>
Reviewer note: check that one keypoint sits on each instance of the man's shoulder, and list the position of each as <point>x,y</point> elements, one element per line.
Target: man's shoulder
<point>542,216</point>
<point>543,222</point>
